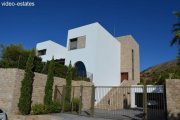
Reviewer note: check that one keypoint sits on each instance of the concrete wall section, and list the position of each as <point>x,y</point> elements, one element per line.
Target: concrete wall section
<point>52,49</point>
<point>101,54</point>
<point>87,54</point>
<point>107,70</point>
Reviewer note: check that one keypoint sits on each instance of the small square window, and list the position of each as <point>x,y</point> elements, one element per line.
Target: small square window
<point>41,52</point>
<point>77,43</point>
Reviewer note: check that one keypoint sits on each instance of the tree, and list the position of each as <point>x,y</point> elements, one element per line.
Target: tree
<point>49,84</point>
<point>13,52</point>
<point>68,82</point>
<point>24,104</point>
<point>15,56</point>
<point>176,37</point>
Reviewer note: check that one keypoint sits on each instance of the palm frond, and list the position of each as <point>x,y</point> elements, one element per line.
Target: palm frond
<point>177,14</point>
<point>174,40</point>
<point>175,29</point>
<point>176,25</point>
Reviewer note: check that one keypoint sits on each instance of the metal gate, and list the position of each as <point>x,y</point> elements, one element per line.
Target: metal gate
<point>121,102</point>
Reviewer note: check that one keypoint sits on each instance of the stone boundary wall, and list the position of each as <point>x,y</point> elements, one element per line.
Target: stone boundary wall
<point>173,98</point>
<point>10,84</point>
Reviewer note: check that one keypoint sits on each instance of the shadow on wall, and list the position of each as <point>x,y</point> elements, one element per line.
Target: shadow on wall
<point>174,117</point>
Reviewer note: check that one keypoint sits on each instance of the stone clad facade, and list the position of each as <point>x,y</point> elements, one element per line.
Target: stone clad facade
<point>173,99</point>
<point>130,58</point>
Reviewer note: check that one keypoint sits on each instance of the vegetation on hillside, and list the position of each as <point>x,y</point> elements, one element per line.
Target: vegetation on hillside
<point>16,56</point>
<point>158,73</point>
<point>24,104</point>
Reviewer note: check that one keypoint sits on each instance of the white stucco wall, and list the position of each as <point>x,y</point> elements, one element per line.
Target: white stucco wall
<point>52,49</point>
<point>107,71</point>
<point>101,54</point>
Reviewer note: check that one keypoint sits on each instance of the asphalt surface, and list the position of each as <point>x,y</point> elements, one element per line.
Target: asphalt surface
<point>64,116</point>
<point>125,114</point>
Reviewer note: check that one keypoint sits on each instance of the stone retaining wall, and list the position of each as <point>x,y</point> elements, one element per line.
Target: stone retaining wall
<point>10,80</point>
<point>173,99</point>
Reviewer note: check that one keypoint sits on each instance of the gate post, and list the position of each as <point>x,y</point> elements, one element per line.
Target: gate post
<point>145,101</point>
<point>165,102</point>
<point>92,100</point>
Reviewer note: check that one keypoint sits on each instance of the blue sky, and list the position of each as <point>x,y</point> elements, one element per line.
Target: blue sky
<point>149,21</point>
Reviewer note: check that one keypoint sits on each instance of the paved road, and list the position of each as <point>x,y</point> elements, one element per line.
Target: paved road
<point>63,116</point>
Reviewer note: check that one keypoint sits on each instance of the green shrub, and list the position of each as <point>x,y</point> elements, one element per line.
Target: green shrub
<point>38,109</point>
<point>68,83</point>
<point>67,106</point>
<point>49,84</point>
<point>24,104</point>
<point>60,70</point>
<point>8,64</point>
<point>76,104</point>
<point>38,64</point>
<point>55,107</point>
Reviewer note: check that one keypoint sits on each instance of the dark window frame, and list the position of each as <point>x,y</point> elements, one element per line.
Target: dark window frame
<point>42,52</point>
<point>71,42</point>
<point>78,44</point>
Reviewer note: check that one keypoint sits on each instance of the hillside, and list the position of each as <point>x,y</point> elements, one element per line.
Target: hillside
<point>158,73</point>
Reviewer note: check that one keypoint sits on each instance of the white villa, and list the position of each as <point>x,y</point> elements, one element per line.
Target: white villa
<point>96,54</point>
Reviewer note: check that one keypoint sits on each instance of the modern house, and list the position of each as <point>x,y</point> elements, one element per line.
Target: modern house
<point>96,54</point>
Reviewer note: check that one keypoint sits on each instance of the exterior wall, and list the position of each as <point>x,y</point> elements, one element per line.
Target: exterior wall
<point>7,80</point>
<point>173,98</point>
<point>86,55</point>
<point>52,49</point>
<point>11,83</point>
<point>97,54</point>
<point>108,59</point>
<point>127,44</point>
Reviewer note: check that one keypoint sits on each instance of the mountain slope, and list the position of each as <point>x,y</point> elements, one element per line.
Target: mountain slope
<point>158,73</point>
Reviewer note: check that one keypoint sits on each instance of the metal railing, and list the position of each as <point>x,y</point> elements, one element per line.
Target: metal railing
<point>121,102</point>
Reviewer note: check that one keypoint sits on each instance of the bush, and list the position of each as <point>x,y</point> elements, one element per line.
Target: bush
<point>8,64</point>
<point>68,82</point>
<point>38,109</point>
<point>24,104</point>
<point>49,84</point>
<point>55,107</point>
<point>60,70</point>
<point>38,64</point>
<point>67,106</point>
<point>76,104</point>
